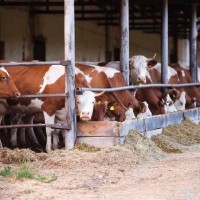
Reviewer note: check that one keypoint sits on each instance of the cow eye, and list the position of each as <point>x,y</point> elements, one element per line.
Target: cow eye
<point>3,78</point>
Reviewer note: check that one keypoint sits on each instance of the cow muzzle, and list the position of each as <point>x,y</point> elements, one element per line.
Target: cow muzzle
<point>16,94</point>
<point>141,80</point>
<point>85,116</point>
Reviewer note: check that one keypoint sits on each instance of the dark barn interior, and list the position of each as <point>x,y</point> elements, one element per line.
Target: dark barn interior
<point>144,15</point>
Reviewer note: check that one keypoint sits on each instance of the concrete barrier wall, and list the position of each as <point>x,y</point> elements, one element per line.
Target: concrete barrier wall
<point>154,125</point>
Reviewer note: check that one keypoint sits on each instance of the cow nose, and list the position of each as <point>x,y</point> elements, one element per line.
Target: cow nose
<point>142,79</point>
<point>17,94</point>
<point>85,113</point>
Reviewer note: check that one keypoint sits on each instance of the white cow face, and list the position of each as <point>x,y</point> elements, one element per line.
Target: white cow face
<point>138,68</point>
<point>169,105</point>
<point>85,105</point>
<point>181,102</point>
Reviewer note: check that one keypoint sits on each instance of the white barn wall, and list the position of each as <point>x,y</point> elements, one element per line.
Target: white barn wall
<point>13,29</point>
<point>184,52</point>
<point>145,44</point>
<point>51,27</point>
<point>89,43</point>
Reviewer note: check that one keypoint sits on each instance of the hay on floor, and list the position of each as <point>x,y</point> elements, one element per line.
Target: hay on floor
<point>175,138</point>
<point>141,146</point>
<point>186,133</point>
<point>165,143</point>
<point>9,156</point>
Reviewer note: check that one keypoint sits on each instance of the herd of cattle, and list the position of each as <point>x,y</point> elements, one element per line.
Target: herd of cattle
<point>118,106</point>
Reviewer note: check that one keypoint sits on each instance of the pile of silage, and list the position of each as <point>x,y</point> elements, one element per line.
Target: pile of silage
<point>143,147</point>
<point>166,143</point>
<point>174,138</point>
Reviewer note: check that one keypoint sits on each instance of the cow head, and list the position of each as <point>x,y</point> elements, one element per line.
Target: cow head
<point>138,68</point>
<point>179,98</point>
<point>158,108</point>
<point>100,108</point>
<point>169,105</point>
<point>116,111</point>
<point>180,103</point>
<point>7,86</point>
<point>144,110</point>
<point>85,104</point>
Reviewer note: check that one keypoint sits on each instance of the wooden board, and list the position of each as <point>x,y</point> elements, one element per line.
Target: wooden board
<point>98,128</point>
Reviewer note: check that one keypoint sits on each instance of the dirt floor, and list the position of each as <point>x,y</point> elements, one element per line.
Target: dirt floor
<point>139,169</point>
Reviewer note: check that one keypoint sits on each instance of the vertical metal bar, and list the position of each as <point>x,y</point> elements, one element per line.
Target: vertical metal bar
<point>124,50</point>
<point>70,137</point>
<point>164,71</point>
<point>193,43</point>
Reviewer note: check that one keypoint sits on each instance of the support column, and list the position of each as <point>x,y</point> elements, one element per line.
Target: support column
<point>164,71</point>
<point>124,50</point>
<point>70,137</point>
<point>193,44</point>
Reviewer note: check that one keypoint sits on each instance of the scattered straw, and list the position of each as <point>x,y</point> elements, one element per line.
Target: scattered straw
<point>8,156</point>
<point>143,147</point>
<point>87,148</point>
<point>186,133</point>
<point>174,139</point>
<point>165,143</point>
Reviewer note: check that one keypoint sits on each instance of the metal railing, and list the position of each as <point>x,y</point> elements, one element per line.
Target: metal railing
<point>134,87</point>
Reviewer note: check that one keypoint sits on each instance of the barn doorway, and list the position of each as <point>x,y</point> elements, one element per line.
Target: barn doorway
<point>116,53</point>
<point>39,51</point>
<point>2,50</point>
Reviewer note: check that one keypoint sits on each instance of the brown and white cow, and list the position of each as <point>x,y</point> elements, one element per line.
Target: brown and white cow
<point>49,79</point>
<point>105,77</point>
<point>176,74</point>
<point>154,98</point>
<point>185,77</point>
<point>178,98</point>
<point>138,66</point>
<point>7,89</point>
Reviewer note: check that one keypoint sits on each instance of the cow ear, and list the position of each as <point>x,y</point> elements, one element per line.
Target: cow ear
<point>142,107</point>
<point>173,93</point>
<point>130,105</point>
<point>161,102</point>
<point>102,98</point>
<point>151,63</point>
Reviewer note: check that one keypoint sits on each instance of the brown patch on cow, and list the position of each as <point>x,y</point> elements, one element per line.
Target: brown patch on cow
<point>100,108</point>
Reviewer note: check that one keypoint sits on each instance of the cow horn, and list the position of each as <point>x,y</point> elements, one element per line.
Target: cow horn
<point>99,94</point>
<point>149,59</point>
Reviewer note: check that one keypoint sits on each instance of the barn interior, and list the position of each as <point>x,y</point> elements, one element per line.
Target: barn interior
<point>33,29</point>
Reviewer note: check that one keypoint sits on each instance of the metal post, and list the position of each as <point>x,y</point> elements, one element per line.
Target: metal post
<point>70,71</point>
<point>193,44</point>
<point>124,50</point>
<point>164,70</point>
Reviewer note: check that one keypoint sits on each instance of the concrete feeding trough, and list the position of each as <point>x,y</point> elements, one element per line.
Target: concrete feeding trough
<point>109,133</point>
